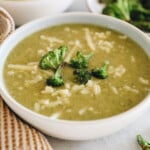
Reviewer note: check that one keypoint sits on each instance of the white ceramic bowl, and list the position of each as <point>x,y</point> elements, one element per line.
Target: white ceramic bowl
<point>73,130</point>
<point>24,11</point>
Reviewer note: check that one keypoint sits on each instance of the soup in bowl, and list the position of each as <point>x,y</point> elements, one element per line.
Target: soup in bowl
<point>76,76</point>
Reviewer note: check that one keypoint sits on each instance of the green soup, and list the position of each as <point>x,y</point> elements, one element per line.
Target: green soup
<point>127,83</point>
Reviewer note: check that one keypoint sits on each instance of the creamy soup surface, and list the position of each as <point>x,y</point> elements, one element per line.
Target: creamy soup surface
<point>127,84</point>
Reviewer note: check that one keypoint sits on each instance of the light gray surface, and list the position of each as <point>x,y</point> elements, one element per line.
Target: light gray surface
<point>123,140</point>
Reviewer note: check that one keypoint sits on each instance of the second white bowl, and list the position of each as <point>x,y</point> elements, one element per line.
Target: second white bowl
<point>26,10</point>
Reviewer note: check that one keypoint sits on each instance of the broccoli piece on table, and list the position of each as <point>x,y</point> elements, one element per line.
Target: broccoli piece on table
<point>143,143</point>
<point>80,61</point>
<point>82,76</point>
<point>53,58</point>
<point>101,73</point>
<point>57,79</point>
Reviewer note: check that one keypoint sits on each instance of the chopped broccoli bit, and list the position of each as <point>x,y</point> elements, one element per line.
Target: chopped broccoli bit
<point>82,76</point>
<point>53,58</point>
<point>57,79</point>
<point>143,143</point>
<point>101,73</point>
<point>80,61</point>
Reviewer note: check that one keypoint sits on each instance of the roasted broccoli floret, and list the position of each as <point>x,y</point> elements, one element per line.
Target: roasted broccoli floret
<point>143,25</point>
<point>53,58</point>
<point>140,16</point>
<point>82,76</point>
<point>106,1</point>
<point>80,61</point>
<point>146,4</point>
<point>143,143</point>
<point>131,11</point>
<point>138,12</point>
<point>57,79</point>
<point>119,9</point>
<point>101,73</point>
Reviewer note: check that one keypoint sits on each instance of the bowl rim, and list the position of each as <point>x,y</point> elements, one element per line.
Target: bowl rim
<point>7,97</point>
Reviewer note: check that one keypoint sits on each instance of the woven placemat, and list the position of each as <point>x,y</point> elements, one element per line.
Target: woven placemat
<point>17,135</point>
